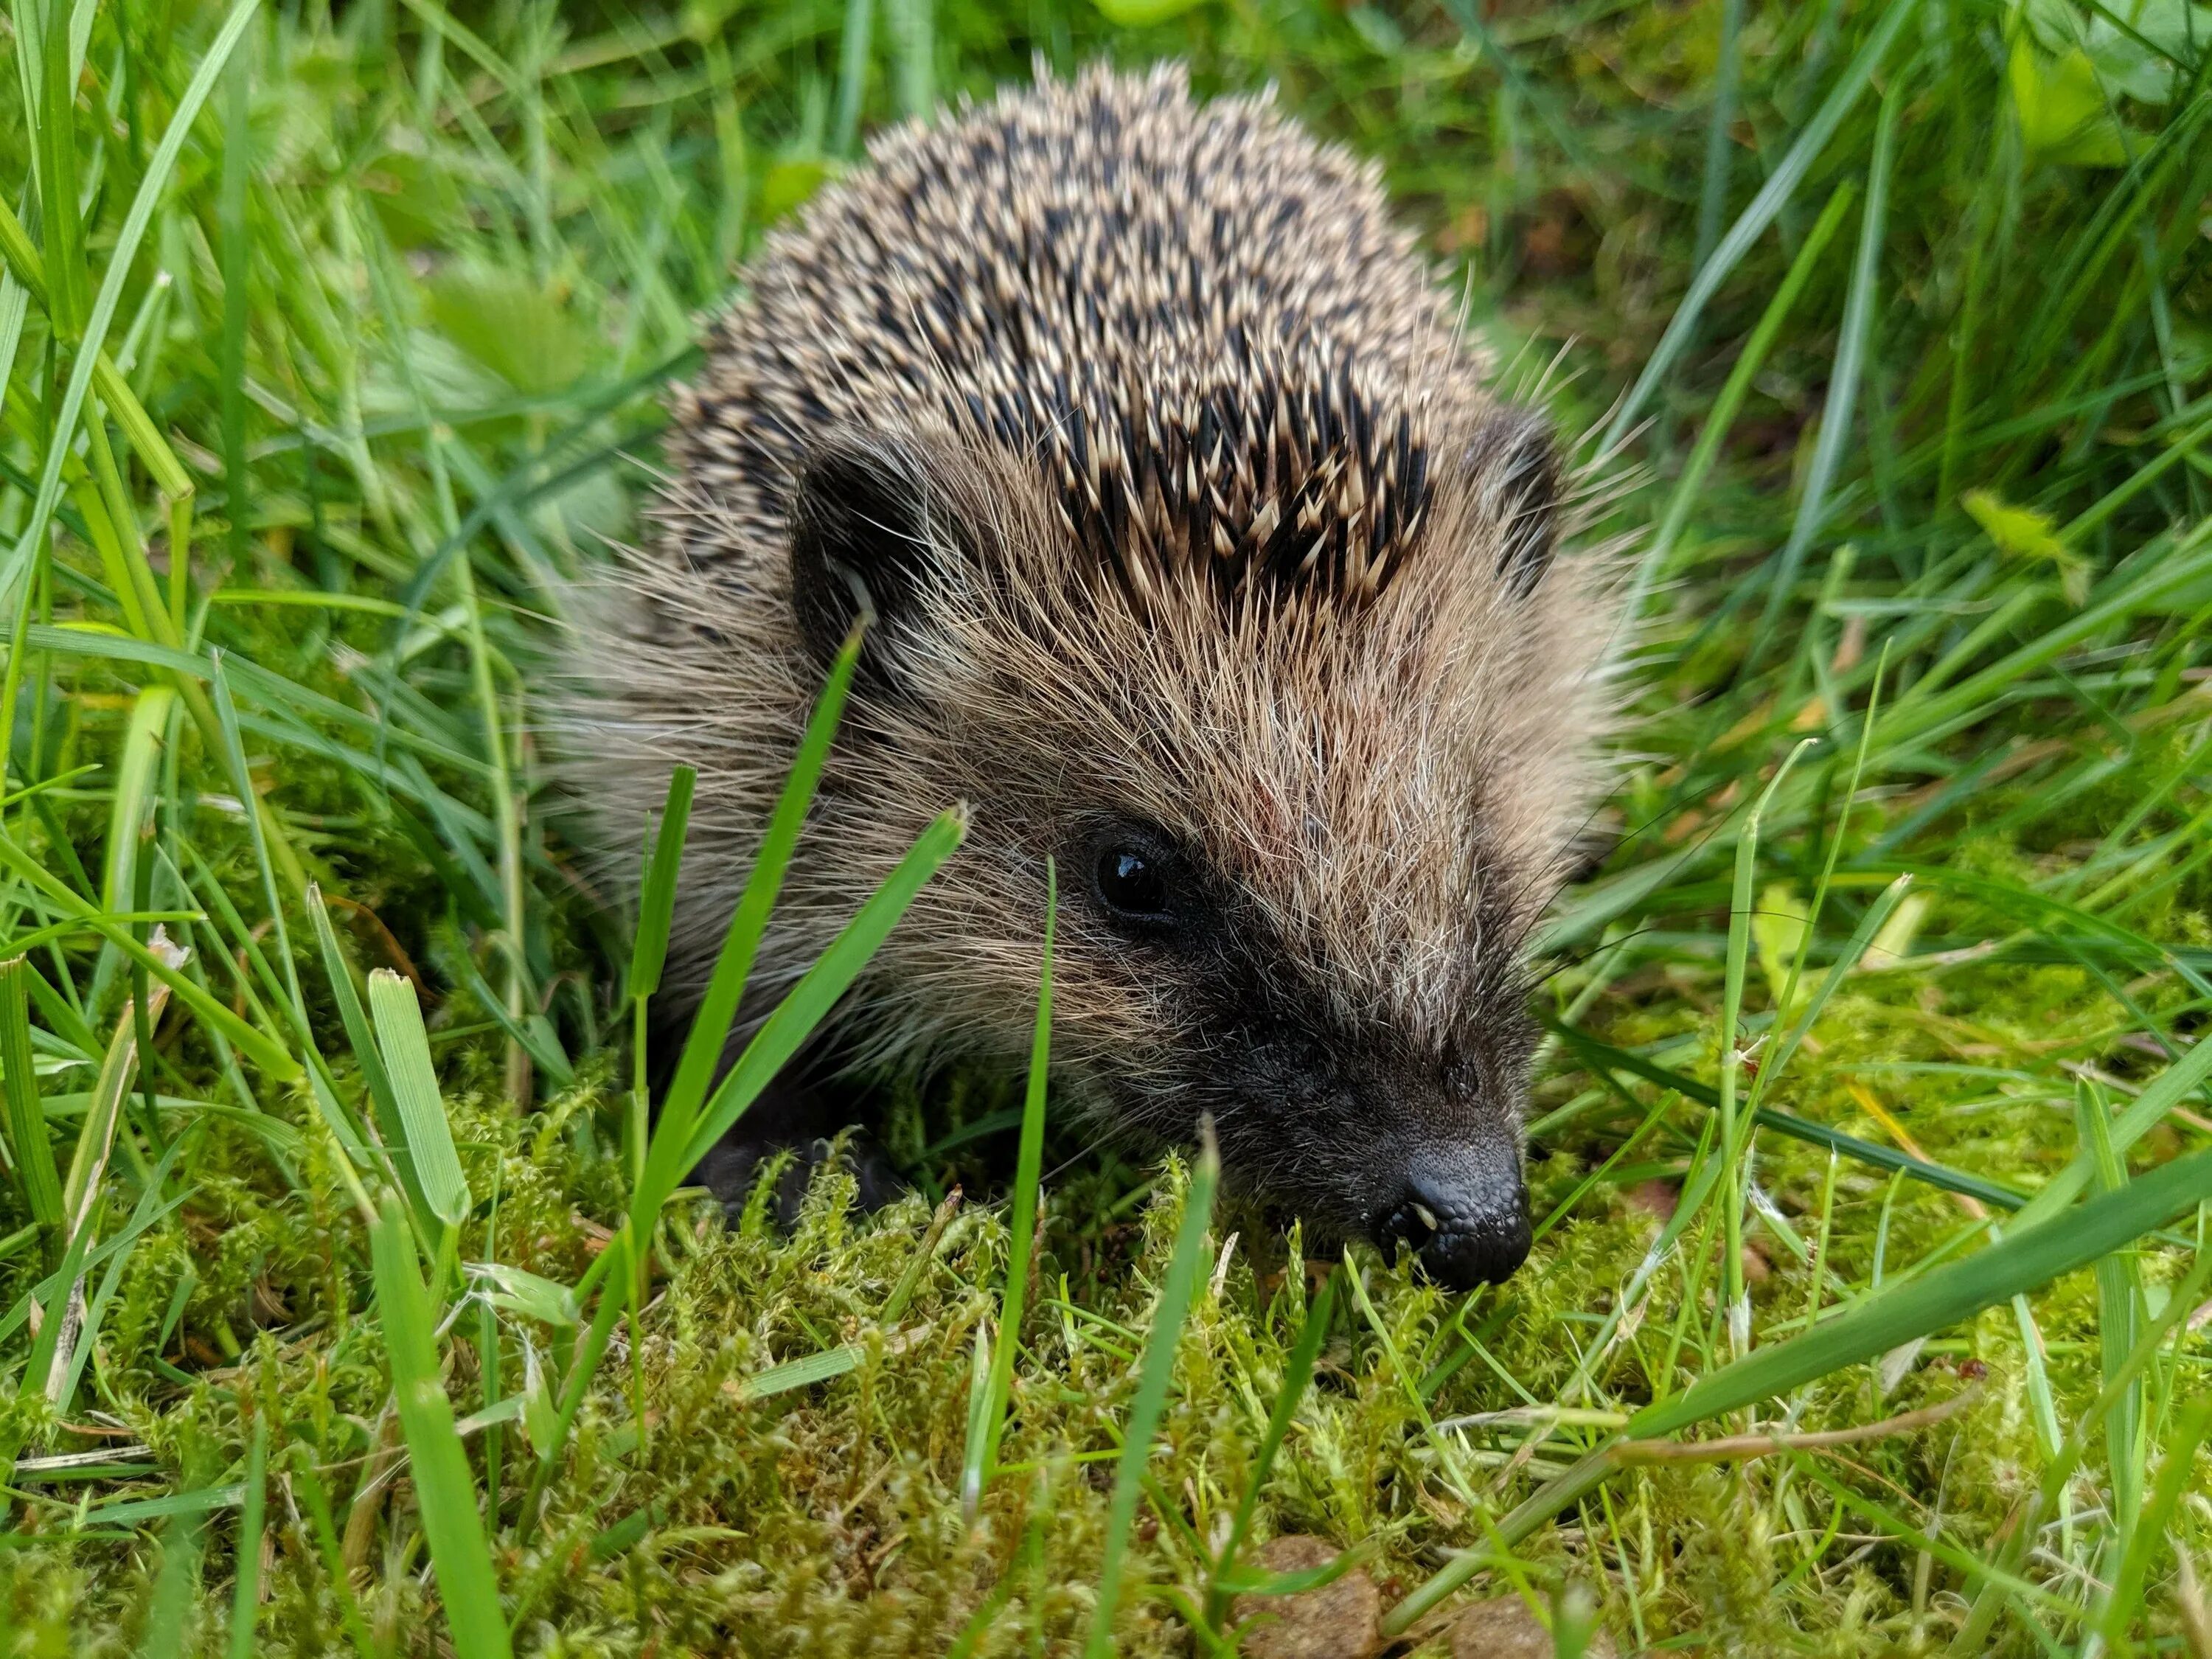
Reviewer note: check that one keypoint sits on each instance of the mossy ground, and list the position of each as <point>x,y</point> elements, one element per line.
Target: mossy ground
<point>406,302</point>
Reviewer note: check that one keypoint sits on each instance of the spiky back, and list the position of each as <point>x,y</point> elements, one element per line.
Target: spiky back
<point>1201,325</point>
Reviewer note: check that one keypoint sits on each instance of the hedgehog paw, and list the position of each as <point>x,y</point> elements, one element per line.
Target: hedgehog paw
<point>732,1169</point>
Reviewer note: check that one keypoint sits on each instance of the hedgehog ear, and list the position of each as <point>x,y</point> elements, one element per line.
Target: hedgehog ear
<point>862,546</point>
<point>1519,462</point>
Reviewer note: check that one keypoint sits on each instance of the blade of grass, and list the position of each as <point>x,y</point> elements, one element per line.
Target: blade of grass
<point>506,809</point>
<point>1605,1058</point>
<point>429,1136</point>
<point>270,1054</point>
<point>2148,1109</point>
<point>1713,192</point>
<point>169,1614</point>
<point>785,1033</point>
<point>2026,1527</point>
<point>233,245</point>
<point>656,906</point>
<point>1735,1139</point>
<point>96,1135</point>
<point>45,1347</point>
<point>384,1103</point>
<point>2120,1315</point>
<point>54,153</point>
<point>1154,1374</point>
<point>317,1501</point>
<point>1297,1376</point>
<point>656,911</point>
<point>28,1141</point>
<point>246,1593</point>
<point>852,74</point>
<point>265,847</point>
<point>444,1494</point>
<point>2122,1605</point>
<point>62,1392</point>
<point>135,779</point>
<point>824,985</point>
<point>1029,1169</point>
<point>914,42</point>
<point>1848,958</point>
<point>801,1373</point>
<point>151,1209</point>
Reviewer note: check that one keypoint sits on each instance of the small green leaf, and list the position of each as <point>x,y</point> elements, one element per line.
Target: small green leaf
<point>625,1533</point>
<point>2020,531</point>
<point>800,1373</point>
<point>789,184</point>
<point>2025,533</point>
<point>1893,941</point>
<point>521,1292</point>
<point>541,1419</point>
<point>520,330</point>
<point>2064,115</point>
<point>1137,14</point>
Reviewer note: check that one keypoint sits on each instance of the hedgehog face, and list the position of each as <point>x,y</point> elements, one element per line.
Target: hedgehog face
<point>1367,1120</point>
<point>1300,840</point>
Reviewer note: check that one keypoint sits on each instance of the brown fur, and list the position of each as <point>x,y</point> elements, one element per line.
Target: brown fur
<point>1216,528</point>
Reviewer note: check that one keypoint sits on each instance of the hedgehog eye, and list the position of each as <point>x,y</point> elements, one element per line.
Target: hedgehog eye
<point>1132,884</point>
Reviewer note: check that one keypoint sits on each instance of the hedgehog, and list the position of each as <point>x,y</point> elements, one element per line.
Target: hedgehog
<point>1199,560</point>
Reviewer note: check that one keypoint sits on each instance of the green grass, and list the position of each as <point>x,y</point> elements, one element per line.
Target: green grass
<point>372,1317</point>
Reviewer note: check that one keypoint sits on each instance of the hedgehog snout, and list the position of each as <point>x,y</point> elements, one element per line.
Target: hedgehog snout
<point>1464,1212</point>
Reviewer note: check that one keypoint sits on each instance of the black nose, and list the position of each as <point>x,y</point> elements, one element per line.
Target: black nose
<point>1469,1223</point>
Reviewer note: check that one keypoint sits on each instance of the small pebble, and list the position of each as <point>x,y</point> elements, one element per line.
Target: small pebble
<point>1506,1629</point>
<point>1336,1621</point>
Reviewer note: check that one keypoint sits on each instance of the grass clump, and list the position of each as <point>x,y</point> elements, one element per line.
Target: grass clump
<point>349,1303</point>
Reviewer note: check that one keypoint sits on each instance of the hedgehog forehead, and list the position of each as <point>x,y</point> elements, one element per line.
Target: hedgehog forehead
<point>1329,786</point>
<point>1263,472</point>
<point>1364,871</point>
